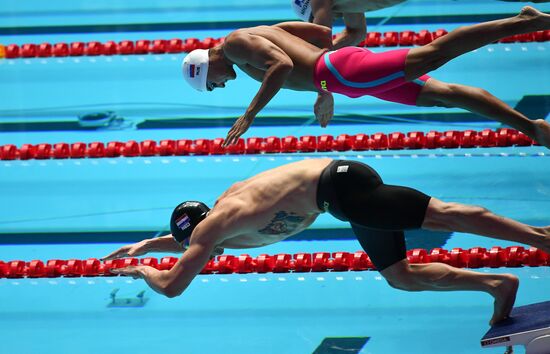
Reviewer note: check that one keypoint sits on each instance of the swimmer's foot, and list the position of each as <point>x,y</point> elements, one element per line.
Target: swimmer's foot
<point>536,20</point>
<point>505,287</point>
<point>542,132</point>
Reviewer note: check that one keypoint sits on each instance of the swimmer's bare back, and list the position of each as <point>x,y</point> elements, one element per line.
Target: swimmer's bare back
<point>304,55</point>
<point>272,205</point>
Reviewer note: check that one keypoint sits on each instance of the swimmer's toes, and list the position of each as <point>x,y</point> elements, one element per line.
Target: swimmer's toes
<point>505,297</point>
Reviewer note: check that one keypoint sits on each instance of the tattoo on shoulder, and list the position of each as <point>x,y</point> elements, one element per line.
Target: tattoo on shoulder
<point>282,223</point>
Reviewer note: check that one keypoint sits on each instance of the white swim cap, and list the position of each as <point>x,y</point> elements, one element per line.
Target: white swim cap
<point>195,68</point>
<point>302,8</point>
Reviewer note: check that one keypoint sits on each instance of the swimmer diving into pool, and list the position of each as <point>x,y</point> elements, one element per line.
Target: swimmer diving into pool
<point>282,56</point>
<point>324,12</point>
<point>277,203</point>
<point>352,13</point>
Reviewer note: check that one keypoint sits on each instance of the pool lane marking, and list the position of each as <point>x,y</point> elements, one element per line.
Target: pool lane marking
<point>273,158</point>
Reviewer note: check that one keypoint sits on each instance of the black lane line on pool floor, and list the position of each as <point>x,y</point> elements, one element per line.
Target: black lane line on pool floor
<point>345,345</point>
<point>533,106</point>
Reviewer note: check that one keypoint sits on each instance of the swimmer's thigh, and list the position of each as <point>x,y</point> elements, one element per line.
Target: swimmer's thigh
<point>384,248</point>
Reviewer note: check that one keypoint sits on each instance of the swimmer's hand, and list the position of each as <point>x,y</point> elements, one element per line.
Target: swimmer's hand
<point>134,250</point>
<point>240,126</point>
<point>136,272</point>
<point>324,108</point>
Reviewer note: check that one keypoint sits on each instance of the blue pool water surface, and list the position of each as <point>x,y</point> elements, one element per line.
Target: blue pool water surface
<point>83,208</point>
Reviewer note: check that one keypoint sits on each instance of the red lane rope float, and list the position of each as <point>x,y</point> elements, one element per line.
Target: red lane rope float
<point>271,145</point>
<point>477,257</point>
<point>178,45</point>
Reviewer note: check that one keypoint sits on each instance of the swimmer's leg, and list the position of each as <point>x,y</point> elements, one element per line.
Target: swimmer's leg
<point>479,101</point>
<point>442,216</point>
<point>442,277</point>
<point>387,251</point>
<point>422,60</point>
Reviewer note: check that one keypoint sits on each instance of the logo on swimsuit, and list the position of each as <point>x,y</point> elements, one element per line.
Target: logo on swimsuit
<point>326,205</point>
<point>324,85</point>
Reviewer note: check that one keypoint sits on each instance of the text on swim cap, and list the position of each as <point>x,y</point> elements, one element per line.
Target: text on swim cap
<point>303,4</point>
<point>194,70</point>
<point>183,222</point>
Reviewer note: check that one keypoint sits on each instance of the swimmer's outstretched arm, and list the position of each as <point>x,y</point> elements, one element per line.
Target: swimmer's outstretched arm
<point>321,10</point>
<point>355,24</point>
<point>203,241</point>
<point>318,35</point>
<point>354,32</point>
<point>321,37</point>
<point>256,53</point>
<point>158,244</point>
<point>173,282</point>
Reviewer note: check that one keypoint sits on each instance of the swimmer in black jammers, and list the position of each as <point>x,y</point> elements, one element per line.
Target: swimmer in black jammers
<point>283,201</point>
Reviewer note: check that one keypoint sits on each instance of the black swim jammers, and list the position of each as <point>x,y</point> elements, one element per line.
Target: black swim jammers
<point>378,213</point>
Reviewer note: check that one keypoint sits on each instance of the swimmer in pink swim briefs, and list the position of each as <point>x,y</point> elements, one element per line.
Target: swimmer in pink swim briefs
<point>283,56</point>
<point>356,72</point>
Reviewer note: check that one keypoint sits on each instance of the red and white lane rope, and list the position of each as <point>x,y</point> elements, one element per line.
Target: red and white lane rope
<point>477,257</point>
<point>178,45</point>
<point>271,145</point>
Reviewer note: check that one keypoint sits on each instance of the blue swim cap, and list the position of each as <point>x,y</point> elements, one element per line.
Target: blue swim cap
<point>185,218</point>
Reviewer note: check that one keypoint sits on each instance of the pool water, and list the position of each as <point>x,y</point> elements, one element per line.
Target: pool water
<point>84,208</point>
